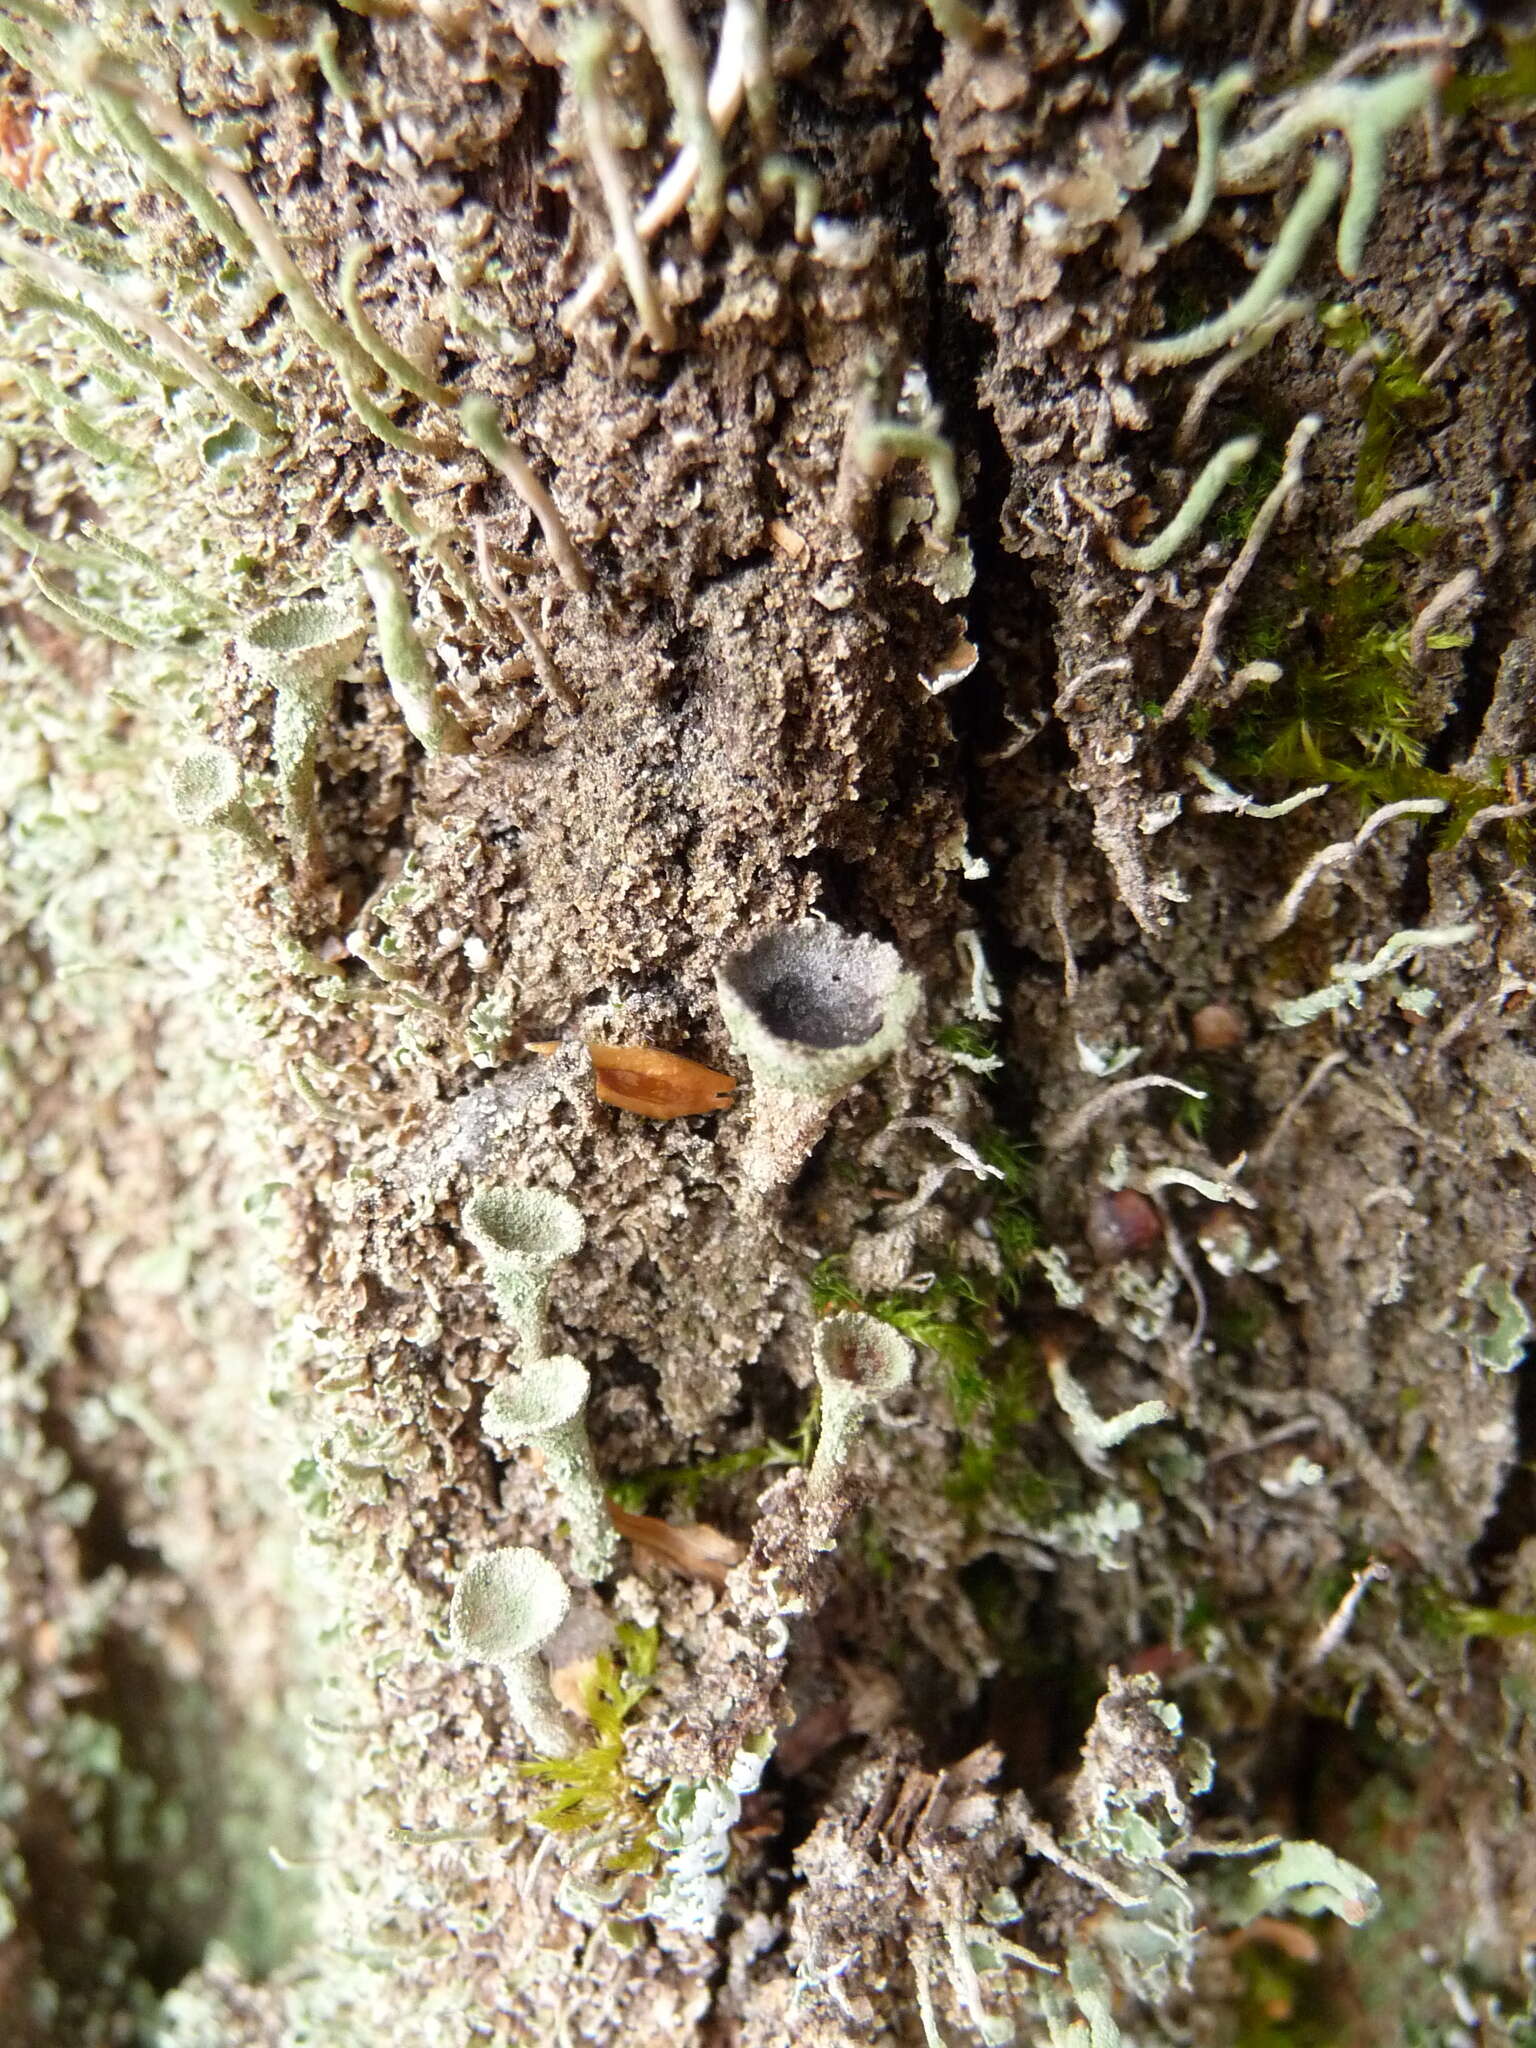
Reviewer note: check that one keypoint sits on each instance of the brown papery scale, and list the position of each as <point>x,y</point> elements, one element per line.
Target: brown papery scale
<point>1122,1225</point>
<point>649,1082</point>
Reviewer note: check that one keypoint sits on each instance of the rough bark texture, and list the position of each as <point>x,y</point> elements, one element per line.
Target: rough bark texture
<point>833,1759</point>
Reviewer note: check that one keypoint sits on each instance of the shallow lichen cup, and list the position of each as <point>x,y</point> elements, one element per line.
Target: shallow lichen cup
<point>307,640</point>
<point>205,794</point>
<point>859,1361</point>
<point>505,1606</point>
<point>523,1234</point>
<point>544,1407</point>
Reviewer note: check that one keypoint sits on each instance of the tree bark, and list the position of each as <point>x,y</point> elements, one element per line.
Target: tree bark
<point>1201,1186</point>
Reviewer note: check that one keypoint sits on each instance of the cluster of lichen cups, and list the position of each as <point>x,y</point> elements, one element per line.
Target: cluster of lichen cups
<point>812,1009</point>
<point>509,1603</point>
<point>523,1234</point>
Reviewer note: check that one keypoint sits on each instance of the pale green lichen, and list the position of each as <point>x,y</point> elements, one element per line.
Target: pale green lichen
<point>881,444</point>
<point>544,1408</point>
<point>506,1605</point>
<point>1348,981</point>
<point>1286,256</point>
<point>1212,105</point>
<point>859,1363</point>
<point>1207,487</point>
<point>478,417</point>
<point>389,359</point>
<point>588,48</point>
<point>522,1234</point>
<point>1093,1434</point>
<point>205,792</point>
<point>406,662</point>
<point>1367,113</point>
<point>1502,1348</point>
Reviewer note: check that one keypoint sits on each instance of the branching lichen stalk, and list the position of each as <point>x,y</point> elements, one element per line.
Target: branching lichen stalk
<point>406,662</point>
<point>1186,522</point>
<point>669,35</point>
<point>1289,251</point>
<point>477,414</point>
<point>587,53</point>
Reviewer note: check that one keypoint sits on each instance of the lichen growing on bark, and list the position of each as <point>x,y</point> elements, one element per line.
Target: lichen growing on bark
<point>474,560</point>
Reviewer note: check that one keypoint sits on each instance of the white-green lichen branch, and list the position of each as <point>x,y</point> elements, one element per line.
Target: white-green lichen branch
<point>1286,256</point>
<point>1347,982</point>
<point>406,661</point>
<point>1224,465</point>
<point>1368,114</point>
<point>1212,105</point>
<point>481,424</point>
<point>1280,498</point>
<point>588,48</point>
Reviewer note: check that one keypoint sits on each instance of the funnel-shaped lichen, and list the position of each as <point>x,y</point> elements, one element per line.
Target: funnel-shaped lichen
<point>301,648</point>
<point>544,1408</point>
<point>507,1604</point>
<point>309,640</point>
<point>813,1009</point>
<point>205,793</point>
<point>522,1234</point>
<point>859,1361</point>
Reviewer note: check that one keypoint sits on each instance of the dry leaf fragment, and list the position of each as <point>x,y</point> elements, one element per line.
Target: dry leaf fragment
<point>693,1548</point>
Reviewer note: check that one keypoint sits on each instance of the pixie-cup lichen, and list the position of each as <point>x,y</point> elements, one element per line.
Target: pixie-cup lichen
<point>859,1362</point>
<point>301,648</point>
<point>505,1607</point>
<point>522,1234</point>
<point>812,1009</point>
<point>544,1407</point>
<point>205,795</point>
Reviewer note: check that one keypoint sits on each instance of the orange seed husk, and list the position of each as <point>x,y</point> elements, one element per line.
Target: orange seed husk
<point>650,1082</point>
<point>654,1083</point>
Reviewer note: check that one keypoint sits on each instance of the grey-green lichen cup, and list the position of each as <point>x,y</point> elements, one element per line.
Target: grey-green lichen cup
<point>859,1362</point>
<point>543,1407</point>
<point>508,1604</point>
<point>301,647</point>
<point>523,1234</point>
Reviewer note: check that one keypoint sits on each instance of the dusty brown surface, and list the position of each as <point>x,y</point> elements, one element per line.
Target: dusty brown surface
<point>247,1341</point>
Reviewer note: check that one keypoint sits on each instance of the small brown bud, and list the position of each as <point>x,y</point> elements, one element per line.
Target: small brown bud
<point>1122,1225</point>
<point>1218,1027</point>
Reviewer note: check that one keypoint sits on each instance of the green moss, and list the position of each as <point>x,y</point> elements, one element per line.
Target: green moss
<point>1239,504</point>
<point>594,1794</point>
<point>967,1041</point>
<point>1192,1113</point>
<point>993,1379</point>
<point>1513,86</point>
<point>1395,399</point>
<point>683,1484</point>
<point>1448,1620</point>
<point>1349,708</point>
<point>1281,2003</point>
<point>992,1376</point>
<point>1238,1325</point>
<point>874,1548</point>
